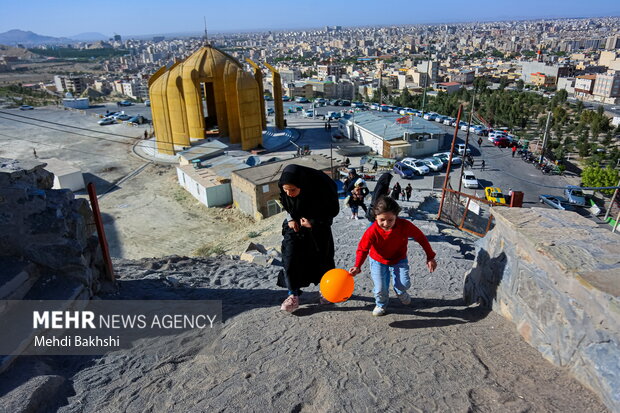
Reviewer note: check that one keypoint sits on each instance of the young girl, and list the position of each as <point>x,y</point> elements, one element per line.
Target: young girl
<point>386,241</point>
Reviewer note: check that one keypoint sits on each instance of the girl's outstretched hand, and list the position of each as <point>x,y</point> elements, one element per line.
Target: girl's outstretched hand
<point>431,265</point>
<point>354,271</point>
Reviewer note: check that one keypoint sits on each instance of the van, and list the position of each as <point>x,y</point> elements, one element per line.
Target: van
<point>461,149</point>
<point>575,195</point>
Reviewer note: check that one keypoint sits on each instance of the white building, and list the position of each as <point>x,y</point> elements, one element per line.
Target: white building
<point>210,184</point>
<point>607,87</point>
<point>387,137</point>
<point>66,176</point>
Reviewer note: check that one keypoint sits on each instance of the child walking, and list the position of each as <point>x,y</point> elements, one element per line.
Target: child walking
<point>386,241</point>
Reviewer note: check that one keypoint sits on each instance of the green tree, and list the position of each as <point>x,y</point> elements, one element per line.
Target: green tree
<point>595,176</point>
<point>520,85</point>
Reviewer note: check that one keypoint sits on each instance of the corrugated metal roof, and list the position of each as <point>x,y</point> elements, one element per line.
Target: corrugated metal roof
<point>384,125</point>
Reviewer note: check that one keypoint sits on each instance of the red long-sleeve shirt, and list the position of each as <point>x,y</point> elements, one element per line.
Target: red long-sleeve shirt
<point>389,247</point>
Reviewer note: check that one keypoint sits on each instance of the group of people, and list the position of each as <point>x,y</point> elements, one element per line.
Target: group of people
<point>310,199</point>
<point>400,193</point>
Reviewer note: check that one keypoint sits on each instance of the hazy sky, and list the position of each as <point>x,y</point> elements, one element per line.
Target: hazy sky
<point>69,17</point>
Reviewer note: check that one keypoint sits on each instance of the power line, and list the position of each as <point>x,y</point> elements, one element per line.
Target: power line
<point>134,138</point>
<point>60,147</point>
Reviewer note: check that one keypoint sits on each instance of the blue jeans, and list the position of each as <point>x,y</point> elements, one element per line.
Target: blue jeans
<point>382,274</point>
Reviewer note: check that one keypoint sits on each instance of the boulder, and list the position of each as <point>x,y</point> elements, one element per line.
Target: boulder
<point>555,275</point>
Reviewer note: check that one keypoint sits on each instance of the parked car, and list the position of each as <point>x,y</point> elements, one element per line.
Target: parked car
<point>137,120</point>
<point>556,202</point>
<point>147,102</point>
<point>26,107</point>
<point>125,103</point>
<point>470,181</point>
<point>502,142</point>
<point>445,156</point>
<point>419,168</point>
<point>122,117</point>
<point>403,170</point>
<point>107,121</point>
<point>309,114</point>
<point>301,99</point>
<point>575,195</point>
<point>435,164</point>
<point>285,98</point>
<point>270,111</point>
<point>494,194</point>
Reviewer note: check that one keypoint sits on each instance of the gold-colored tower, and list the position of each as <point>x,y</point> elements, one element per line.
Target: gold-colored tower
<point>232,101</point>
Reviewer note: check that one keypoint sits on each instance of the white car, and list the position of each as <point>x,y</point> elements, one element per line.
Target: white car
<point>435,164</point>
<point>470,181</point>
<point>496,134</point>
<point>107,121</point>
<point>445,156</point>
<point>418,166</point>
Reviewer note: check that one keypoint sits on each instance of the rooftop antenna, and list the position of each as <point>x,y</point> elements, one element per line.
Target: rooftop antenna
<point>206,36</point>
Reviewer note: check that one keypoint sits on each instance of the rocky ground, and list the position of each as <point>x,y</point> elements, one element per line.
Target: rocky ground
<point>435,355</point>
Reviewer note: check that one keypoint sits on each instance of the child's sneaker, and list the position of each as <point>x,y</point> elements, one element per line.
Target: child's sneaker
<point>404,298</point>
<point>378,311</point>
<point>290,304</point>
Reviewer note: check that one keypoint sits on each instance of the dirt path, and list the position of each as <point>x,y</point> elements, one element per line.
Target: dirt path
<point>151,215</point>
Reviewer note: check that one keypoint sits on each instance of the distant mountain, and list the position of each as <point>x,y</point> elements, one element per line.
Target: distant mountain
<point>14,37</point>
<point>90,36</point>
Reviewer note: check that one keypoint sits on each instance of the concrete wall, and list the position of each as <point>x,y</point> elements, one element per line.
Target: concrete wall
<point>555,275</point>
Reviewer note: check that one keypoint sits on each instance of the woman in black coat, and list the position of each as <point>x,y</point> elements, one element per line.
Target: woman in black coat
<point>381,189</point>
<point>310,197</point>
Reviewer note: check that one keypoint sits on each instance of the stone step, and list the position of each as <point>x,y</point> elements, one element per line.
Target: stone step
<point>16,278</point>
<point>49,286</point>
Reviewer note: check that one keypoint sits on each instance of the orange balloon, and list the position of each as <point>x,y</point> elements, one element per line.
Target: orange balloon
<point>337,285</point>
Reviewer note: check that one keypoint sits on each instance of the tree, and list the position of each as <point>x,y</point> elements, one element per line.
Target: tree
<point>503,82</point>
<point>595,176</point>
<point>579,106</point>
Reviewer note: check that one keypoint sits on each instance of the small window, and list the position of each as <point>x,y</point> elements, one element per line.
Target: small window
<point>265,188</point>
<point>198,189</point>
<point>273,207</point>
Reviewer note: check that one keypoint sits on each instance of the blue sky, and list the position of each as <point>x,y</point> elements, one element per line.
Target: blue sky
<point>136,17</point>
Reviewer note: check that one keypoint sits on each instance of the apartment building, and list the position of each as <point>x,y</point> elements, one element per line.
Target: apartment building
<point>607,87</point>
<point>584,85</point>
<point>542,80</point>
<point>73,84</point>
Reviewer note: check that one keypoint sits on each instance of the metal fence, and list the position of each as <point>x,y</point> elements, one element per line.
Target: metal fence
<point>467,212</point>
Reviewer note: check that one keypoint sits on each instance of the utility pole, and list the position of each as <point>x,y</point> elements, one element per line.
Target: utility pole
<point>471,114</point>
<point>428,65</point>
<point>544,144</point>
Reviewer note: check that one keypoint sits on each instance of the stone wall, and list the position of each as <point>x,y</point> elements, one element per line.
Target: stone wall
<point>47,227</point>
<point>556,276</point>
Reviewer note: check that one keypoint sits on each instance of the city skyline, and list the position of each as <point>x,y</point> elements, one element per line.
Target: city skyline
<point>63,19</point>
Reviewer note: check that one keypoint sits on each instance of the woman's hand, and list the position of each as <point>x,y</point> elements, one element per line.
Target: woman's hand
<point>294,225</point>
<point>354,271</point>
<point>431,265</point>
<point>306,223</point>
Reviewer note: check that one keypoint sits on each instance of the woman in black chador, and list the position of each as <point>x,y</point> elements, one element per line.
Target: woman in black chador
<point>310,197</point>
<point>381,189</point>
